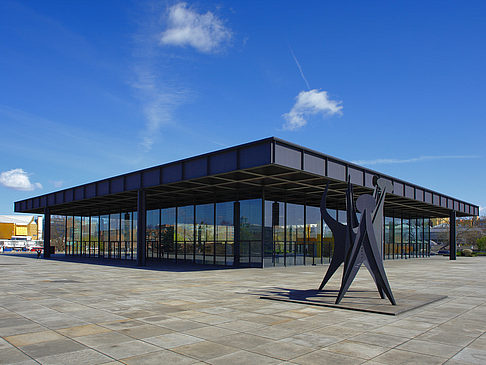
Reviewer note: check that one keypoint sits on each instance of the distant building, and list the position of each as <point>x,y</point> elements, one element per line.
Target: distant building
<point>20,226</point>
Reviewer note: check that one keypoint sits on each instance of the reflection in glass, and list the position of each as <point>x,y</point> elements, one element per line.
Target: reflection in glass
<point>295,234</point>
<point>70,235</point>
<point>167,232</point>
<point>389,244</point>
<point>114,236</point>
<point>224,233</point>
<point>406,237</point>
<point>94,236</point>
<point>205,234</point>
<point>126,235</point>
<point>105,235</point>
<point>328,239</point>
<point>77,235</point>
<point>251,232</point>
<point>313,229</point>
<point>152,233</point>
<point>185,232</point>
<point>398,237</point>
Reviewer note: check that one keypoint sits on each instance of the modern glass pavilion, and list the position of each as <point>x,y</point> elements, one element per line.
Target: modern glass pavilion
<point>255,204</point>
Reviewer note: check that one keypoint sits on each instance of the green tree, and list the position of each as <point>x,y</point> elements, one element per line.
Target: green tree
<point>481,243</point>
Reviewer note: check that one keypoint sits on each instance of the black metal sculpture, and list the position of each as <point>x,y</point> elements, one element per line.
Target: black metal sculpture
<point>356,243</point>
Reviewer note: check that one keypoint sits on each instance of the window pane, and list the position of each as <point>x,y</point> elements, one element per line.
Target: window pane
<point>313,235</point>
<point>70,234</point>
<point>224,233</point>
<point>105,235</point>
<point>152,233</point>
<point>185,232</point>
<point>114,245</point>
<point>167,232</point>
<point>95,222</point>
<point>328,239</point>
<point>205,233</point>
<point>295,234</point>
<point>77,235</point>
<point>251,232</point>
<point>389,247</point>
<point>126,235</point>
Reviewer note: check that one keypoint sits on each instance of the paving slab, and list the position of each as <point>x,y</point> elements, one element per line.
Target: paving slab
<point>360,300</point>
<point>63,312</point>
<point>51,348</point>
<point>33,337</point>
<point>159,357</point>
<point>204,350</point>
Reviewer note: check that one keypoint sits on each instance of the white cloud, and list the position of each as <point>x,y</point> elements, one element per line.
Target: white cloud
<point>482,211</point>
<point>379,161</point>
<point>159,103</point>
<point>310,103</point>
<point>57,183</point>
<point>186,27</point>
<point>18,179</point>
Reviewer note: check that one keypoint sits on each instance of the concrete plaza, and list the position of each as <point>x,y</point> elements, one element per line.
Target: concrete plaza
<point>64,312</point>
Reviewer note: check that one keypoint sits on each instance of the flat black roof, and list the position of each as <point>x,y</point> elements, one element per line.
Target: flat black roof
<point>276,168</point>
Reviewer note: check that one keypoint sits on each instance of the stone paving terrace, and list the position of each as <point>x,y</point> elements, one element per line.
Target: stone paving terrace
<point>62,312</point>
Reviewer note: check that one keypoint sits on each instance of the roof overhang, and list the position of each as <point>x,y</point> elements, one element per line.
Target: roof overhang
<point>275,169</point>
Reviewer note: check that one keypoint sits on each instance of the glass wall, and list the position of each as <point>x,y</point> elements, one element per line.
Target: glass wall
<point>58,233</point>
<point>185,232</point>
<point>225,233</point>
<point>292,234</point>
<point>328,239</point>
<point>389,238</point>
<point>104,235</point>
<point>313,236</point>
<point>204,249</point>
<point>94,236</point>
<point>295,234</point>
<point>126,235</point>
<point>115,244</point>
<point>134,235</point>
<point>69,235</point>
<point>152,233</point>
<point>77,235</point>
<point>251,232</point>
<point>406,237</point>
<point>398,237</point>
<point>278,221</point>
<point>427,236</point>
<point>85,228</point>
<point>168,233</point>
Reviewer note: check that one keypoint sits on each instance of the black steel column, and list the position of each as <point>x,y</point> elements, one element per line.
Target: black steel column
<point>236,222</point>
<point>141,227</point>
<point>263,228</point>
<point>452,235</point>
<point>65,236</point>
<point>47,233</point>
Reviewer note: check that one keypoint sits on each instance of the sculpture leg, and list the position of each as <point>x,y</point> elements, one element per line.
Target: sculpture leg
<point>377,267</point>
<point>330,272</point>
<point>378,287</point>
<point>351,268</point>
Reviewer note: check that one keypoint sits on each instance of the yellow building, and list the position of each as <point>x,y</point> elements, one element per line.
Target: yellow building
<point>20,226</point>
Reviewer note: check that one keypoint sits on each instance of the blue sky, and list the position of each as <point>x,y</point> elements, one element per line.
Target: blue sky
<point>92,89</point>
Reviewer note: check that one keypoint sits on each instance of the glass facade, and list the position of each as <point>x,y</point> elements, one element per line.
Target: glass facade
<point>248,233</point>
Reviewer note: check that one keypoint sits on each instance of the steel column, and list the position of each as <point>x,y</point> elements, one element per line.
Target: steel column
<point>141,210</point>
<point>236,222</point>
<point>47,233</point>
<point>452,235</point>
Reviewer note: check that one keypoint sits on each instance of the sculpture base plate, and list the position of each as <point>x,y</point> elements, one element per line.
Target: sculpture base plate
<point>357,300</point>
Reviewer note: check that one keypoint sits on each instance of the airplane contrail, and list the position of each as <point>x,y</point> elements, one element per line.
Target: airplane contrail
<point>300,68</point>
